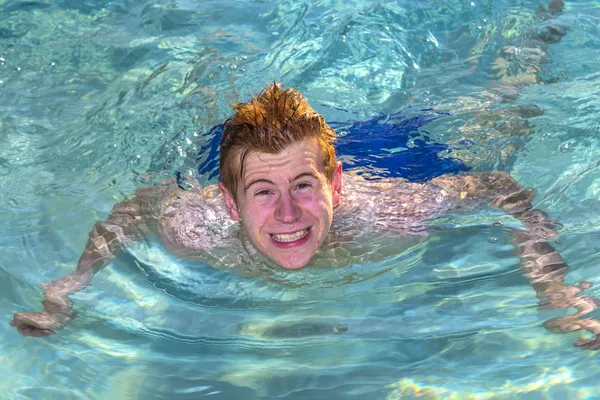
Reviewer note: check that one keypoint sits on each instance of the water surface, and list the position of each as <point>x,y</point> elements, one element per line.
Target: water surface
<point>98,98</point>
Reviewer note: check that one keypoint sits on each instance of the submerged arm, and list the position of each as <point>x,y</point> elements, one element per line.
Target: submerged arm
<point>126,224</point>
<point>542,265</point>
<point>545,269</point>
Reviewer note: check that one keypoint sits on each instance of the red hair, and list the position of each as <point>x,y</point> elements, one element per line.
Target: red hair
<point>268,123</point>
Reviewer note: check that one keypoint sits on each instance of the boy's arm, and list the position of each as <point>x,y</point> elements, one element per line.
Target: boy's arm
<point>542,265</point>
<point>126,224</point>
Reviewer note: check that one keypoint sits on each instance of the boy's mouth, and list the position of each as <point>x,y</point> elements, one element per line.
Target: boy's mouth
<point>290,237</point>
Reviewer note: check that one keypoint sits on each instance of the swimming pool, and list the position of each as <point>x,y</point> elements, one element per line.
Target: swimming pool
<point>98,98</point>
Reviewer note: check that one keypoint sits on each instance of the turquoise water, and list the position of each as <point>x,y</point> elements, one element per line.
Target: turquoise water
<point>99,98</point>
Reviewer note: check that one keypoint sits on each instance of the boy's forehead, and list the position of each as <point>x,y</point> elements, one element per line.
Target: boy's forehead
<point>302,155</point>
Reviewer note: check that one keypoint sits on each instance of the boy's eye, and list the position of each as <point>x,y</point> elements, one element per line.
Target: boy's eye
<point>263,192</point>
<point>303,185</point>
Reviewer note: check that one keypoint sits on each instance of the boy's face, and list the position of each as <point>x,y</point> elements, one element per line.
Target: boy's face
<point>285,203</point>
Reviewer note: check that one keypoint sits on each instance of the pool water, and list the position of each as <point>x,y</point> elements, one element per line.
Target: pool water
<point>98,98</point>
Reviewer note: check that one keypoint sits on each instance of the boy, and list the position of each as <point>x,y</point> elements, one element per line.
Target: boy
<point>281,182</point>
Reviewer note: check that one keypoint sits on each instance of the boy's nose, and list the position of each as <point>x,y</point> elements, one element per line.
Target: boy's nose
<point>287,210</point>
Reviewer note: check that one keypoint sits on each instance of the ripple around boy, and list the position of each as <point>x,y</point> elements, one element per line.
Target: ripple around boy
<point>281,182</point>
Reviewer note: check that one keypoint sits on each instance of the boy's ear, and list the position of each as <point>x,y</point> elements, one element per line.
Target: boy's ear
<point>229,202</point>
<point>336,183</point>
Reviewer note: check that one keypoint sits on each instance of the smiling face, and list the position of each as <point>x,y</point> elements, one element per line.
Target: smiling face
<point>285,202</point>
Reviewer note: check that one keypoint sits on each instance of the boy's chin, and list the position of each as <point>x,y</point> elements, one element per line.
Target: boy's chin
<point>292,264</point>
<point>292,267</point>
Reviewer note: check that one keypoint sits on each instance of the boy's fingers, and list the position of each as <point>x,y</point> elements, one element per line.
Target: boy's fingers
<point>29,330</point>
<point>585,284</point>
<point>587,344</point>
<point>581,342</point>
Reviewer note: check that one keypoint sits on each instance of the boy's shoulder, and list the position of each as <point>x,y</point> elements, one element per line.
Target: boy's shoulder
<point>391,204</point>
<point>193,219</point>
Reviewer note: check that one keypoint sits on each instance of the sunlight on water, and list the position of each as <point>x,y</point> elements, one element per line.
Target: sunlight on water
<point>98,98</point>
<point>543,383</point>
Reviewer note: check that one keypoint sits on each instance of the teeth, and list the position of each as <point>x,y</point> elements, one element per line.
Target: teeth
<point>292,237</point>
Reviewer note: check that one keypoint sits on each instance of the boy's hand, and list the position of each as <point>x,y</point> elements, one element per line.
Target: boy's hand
<point>588,344</point>
<point>35,323</point>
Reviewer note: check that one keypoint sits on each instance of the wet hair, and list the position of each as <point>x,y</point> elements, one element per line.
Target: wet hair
<point>273,120</point>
